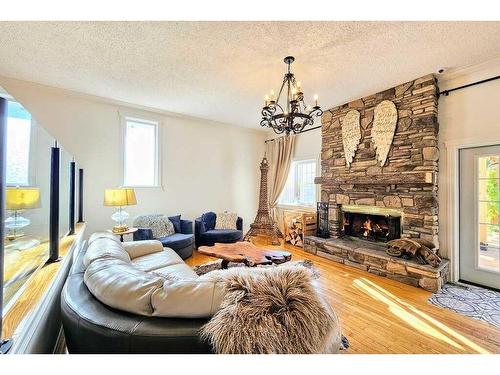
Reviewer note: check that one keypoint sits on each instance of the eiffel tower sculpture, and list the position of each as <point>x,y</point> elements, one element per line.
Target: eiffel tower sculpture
<point>264,224</point>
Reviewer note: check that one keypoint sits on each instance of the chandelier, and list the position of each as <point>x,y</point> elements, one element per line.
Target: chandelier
<point>294,114</point>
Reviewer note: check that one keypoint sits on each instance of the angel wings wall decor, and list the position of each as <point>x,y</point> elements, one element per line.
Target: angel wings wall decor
<point>384,126</point>
<point>351,135</point>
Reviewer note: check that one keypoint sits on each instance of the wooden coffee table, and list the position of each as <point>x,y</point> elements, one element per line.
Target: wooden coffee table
<point>245,252</point>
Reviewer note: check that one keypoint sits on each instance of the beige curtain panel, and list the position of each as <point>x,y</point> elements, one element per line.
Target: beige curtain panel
<point>280,154</point>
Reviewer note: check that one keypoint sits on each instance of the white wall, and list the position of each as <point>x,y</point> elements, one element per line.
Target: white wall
<point>307,145</point>
<point>467,117</point>
<point>205,165</point>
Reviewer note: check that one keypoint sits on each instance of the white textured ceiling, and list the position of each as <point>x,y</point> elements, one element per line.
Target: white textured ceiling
<point>221,70</point>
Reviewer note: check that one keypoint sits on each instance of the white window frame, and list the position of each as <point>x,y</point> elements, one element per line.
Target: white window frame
<point>124,118</point>
<point>317,190</point>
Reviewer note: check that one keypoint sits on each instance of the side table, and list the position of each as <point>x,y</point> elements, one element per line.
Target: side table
<point>130,230</point>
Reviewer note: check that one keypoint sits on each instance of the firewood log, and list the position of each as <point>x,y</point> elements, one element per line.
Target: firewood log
<point>430,257</point>
<point>405,244</point>
<point>424,242</point>
<point>418,251</point>
<point>413,246</point>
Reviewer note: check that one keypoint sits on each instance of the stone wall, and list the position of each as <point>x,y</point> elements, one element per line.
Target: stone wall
<point>407,181</point>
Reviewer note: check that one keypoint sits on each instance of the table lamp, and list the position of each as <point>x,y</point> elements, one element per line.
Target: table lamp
<point>16,200</point>
<point>118,198</point>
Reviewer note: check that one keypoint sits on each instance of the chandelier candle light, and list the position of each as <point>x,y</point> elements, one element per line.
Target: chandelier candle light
<point>119,198</point>
<point>294,114</point>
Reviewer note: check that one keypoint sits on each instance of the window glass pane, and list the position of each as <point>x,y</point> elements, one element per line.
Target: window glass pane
<point>288,194</point>
<point>18,144</point>
<point>488,206</point>
<point>488,212</point>
<point>489,247</point>
<point>488,166</point>
<point>140,154</point>
<point>27,213</point>
<point>300,188</point>
<point>488,189</point>
<point>307,188</point>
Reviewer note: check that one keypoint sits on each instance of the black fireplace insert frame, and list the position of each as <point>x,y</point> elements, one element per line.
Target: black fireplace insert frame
<point>369,226</point>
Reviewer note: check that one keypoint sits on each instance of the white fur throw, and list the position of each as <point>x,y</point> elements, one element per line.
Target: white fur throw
<point>271,311</point>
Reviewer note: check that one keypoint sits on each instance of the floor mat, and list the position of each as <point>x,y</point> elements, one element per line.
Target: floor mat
<point>478,303</point>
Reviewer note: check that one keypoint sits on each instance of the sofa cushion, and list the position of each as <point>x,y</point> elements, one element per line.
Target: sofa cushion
<point>151,262</point>
<point>104,247</point>
<point>117,284</point>
<point>177,241</point>
<point>187,299</point>
<point>176,272</point>
<point>136,249</point>
<point>176,221</point>
<point>97,235</point>
<point>209,219</point>
<point>223,235</point>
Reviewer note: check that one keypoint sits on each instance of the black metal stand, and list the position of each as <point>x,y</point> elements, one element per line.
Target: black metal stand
<point>322,229</point>
<point>80,195</point>
<point>54,205</point>
<point>72,181</point>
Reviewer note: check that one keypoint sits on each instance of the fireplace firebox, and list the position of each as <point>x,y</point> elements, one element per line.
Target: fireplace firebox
<point>372,225</point>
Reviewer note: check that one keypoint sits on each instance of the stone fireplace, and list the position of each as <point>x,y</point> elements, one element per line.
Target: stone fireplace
<point>371,203</point>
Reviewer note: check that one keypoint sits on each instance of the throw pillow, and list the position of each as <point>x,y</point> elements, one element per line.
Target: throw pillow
<point>160,225</point>
<point>226,221</point>
<point>209,219</point>
<point>176,220</point>
<point>169,227</point>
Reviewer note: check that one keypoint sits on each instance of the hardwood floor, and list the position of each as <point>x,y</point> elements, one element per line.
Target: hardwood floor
<point>379,315</point>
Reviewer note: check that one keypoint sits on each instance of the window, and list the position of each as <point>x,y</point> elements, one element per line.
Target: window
<point>141,150</point>
<point>18,145</point>
<point>300,188</point>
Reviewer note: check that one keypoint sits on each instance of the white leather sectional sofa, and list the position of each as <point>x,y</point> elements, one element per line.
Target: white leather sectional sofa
<point>147,279</point>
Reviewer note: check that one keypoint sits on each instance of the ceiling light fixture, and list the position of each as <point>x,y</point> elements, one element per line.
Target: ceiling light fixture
<point>294,115</point>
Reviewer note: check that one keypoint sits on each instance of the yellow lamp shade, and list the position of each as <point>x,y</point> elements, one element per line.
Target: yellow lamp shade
<point>22,198</point>
<point>119,197</point>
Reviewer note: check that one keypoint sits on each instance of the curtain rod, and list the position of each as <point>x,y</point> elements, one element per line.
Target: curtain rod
<point>447,92</point>
<point>303,131</point>
<point>444,93</point>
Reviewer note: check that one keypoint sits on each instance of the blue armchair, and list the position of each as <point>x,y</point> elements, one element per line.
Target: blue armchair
<point>182,241</point>
<point>207,235</point>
